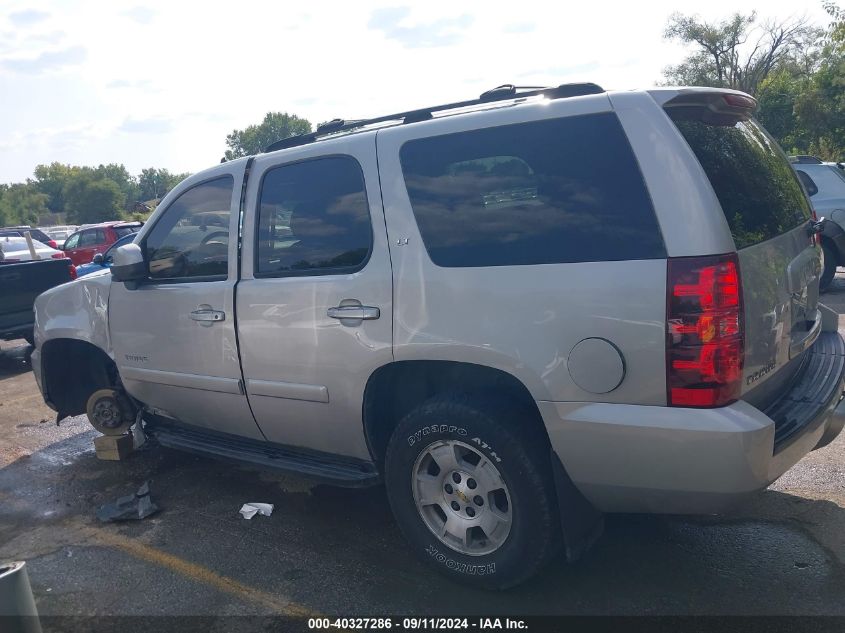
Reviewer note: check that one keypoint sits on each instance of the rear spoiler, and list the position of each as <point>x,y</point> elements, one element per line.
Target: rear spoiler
<point>713,106</point>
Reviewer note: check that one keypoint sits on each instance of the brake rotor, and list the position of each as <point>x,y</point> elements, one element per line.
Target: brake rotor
<point>110,412</point>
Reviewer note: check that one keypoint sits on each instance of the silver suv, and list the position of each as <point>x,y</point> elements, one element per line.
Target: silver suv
<point>825,184</point>
<point>518,312</point>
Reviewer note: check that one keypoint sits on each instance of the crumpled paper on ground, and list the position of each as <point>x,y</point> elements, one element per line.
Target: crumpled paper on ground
<point>249,510</point>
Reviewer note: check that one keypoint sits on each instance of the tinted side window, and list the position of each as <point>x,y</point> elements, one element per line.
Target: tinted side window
<point>89,238</point>
<point>555,191</point>
<point>755,184</point>
<point>72,241</point>
<point>313,218</point>
<point>808,183</point>
<point>178,248</point>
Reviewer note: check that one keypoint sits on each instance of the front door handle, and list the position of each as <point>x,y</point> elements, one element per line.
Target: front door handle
<point>208,315</point>
<point>361,313</point>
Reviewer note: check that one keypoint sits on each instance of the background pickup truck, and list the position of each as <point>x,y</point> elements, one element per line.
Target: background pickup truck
<point>20,284</point>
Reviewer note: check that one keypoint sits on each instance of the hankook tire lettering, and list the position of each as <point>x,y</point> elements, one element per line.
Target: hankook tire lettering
<point>464,568</point>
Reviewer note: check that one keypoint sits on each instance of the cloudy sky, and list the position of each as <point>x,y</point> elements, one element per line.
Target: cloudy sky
<point>161,82</point>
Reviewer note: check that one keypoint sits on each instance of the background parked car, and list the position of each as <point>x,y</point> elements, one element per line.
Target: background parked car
<point>15,249</point>
<point>60,233</point>
<point>825,184</point>
<point>37,234</point>
<point>103,261</point>
<point>84,244</point>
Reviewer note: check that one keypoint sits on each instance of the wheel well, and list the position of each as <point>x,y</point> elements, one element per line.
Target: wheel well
<point>72,370</point>
<point>395,389</point>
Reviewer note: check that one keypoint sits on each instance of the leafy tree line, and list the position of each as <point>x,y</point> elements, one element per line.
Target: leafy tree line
<point>61,193</point>
<point>795,70</point>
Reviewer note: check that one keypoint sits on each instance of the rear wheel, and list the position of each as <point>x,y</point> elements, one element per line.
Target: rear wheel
<point>830,264</point>
<point>469,481</point>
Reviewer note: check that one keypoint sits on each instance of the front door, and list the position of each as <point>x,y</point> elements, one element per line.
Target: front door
<point>174,334</point>
<point>315,299</point>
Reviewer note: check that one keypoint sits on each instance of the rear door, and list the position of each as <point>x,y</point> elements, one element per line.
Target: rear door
<point>768,214</point>
<point>315,297</point>
<point>90,243</point>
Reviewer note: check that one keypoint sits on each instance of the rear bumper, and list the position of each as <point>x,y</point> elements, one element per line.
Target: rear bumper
<point>629,458</point>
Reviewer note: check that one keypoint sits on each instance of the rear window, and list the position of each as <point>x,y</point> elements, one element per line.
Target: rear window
<point>757,188</point>
<point>123,231</point>
<point>544,192</point>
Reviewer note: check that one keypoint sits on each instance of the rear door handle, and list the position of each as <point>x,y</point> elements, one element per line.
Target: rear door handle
<point>362,313</point>
<point>208,315</point>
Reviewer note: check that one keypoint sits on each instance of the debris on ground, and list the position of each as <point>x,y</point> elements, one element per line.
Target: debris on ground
<point>129,508</point>
<point>249,510</point>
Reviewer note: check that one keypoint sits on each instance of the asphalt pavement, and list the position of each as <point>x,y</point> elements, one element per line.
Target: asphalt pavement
<point>338,552</point>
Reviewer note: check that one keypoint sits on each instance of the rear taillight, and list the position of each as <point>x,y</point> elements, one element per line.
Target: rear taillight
<point>704,342</point>
<point>73,274</point>
<point>58,256</point>
<point>52,244</point>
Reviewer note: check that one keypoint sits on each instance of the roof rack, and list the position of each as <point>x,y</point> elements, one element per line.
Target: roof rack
<point>805,159</point>
<point>500,93</point>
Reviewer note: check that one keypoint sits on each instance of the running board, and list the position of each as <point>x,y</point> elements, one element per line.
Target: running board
<point>327,468</point>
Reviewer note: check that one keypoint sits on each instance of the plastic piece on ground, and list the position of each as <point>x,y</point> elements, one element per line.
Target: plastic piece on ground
<point>129,508</point>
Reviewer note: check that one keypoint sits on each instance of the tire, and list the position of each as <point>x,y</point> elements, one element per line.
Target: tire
<point>490,432</point>
<point>830,263</point>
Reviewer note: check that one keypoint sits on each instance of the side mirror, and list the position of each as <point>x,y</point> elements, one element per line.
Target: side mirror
<point>129,263</point>
<point>98,259</point>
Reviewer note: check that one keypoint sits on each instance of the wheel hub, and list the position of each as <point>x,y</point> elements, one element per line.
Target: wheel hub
<point>107,413</point>
<point>462,497</point>
<point>110,412</point>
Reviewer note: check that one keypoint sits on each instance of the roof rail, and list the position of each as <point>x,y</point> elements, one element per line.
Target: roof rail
<point>500,93</point>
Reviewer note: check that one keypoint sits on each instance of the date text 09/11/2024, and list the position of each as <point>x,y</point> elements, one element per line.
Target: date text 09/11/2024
<point>412,624</point>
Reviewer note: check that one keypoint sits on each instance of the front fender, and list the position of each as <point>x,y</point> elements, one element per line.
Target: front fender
<point>76,310</point>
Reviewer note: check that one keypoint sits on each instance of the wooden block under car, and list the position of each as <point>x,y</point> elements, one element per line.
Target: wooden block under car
<point>113,447</point>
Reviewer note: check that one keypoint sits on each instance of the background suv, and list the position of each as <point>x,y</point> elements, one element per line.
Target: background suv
<point>825,184</point>
<point>84,244</point>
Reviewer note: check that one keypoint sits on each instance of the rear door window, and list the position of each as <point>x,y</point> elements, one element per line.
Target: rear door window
<point>543,192</point>
<point>313,219</point>
<point>91,238</point>
<point>756,186</point>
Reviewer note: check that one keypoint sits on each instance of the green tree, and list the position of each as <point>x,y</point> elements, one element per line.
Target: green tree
<point>255,138</point>
<point>735,52</point>
<point>21,203</point>
<point>154,183</point>
<point>51,180</point>
<point>89,199</point>
<point>119,175</point>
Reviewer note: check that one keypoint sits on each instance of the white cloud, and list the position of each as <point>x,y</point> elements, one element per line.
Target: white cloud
<point>142,15</point>
<point>27,17</point>
<point>153,125</point>
<point>45,61</point>
<point>177,77</point>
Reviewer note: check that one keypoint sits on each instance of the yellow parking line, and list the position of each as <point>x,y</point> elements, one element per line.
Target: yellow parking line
<point>198,573</point>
